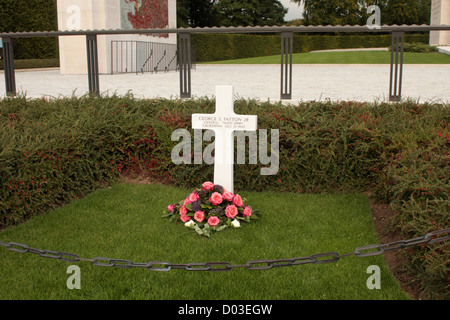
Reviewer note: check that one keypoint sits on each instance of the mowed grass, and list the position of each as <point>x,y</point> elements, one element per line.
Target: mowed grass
<point>125,222</point>
<point>346,57</point>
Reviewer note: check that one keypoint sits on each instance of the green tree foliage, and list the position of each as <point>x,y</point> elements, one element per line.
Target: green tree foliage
<point>210,13</point>
<point>30,15</point>
<point>342,12</point>
<point>251,12</point>
<point>196,13</point>
<point>332,12</point>
<point>405,11</point>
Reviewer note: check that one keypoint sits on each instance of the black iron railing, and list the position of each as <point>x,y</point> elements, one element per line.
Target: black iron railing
<point>184,51</point>
<point>141,56</point>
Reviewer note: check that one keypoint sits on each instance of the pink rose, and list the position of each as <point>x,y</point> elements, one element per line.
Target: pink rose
<point>183,210</point>
<point>228,196</point>
<point>185,218</point>
<point>213,221</point>
<point>231,211</point>
<point>186,201</point>
<point>170,207</point>
<point>247,212</point>
<point>193,197</point>
<point>237,200</point>
<point>199,216</point>
<point>208,185</point>
<point>216,198</point>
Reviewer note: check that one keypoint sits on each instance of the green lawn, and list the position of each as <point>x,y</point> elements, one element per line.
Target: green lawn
<point>32,63</point>
<point>346,57</point>
<point>125,222</point>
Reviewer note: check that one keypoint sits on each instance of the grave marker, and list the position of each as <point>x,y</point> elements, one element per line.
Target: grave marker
<point>224,122</point>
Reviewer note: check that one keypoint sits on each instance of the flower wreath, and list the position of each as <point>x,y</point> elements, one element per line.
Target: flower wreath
<point>211,208</point>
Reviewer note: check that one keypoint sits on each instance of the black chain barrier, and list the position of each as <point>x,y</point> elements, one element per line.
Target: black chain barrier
<point>328,257</point>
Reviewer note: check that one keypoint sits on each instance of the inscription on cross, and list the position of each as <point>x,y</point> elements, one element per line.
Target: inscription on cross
<point>224,122</point>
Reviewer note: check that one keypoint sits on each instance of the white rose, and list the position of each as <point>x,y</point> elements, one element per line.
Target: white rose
<point>235,223</point>
<point>190,224</point>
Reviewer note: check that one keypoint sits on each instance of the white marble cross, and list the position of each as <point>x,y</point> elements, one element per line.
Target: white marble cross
<point>224,122</point>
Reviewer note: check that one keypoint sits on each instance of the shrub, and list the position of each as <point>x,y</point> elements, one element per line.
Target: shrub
<point>419,48</point>
<point>54,151</point>
<point>416,181</point>
<point>214,47</point>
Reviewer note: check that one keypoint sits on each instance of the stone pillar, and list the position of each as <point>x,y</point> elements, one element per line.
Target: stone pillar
<point>440,14</point>
<point>102,15</point>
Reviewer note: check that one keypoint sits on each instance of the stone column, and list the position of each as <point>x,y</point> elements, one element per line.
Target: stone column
<point>440,14</point>
<point>100,15</point>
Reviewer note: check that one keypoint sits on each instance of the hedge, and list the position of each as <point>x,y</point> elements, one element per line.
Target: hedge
<point>36,48</point>
<point>31,15</point>
<point>32,63</point>
<point>52,152</point>
<point>216,47</point>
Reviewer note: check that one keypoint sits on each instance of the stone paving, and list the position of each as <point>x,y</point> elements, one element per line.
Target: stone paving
<point>262,82</point>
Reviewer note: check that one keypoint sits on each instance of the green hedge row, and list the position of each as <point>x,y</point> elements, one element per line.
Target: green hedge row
<point>216,47</point>
<point>57,151</point>
<point>31,15</point>
<point>36,48</point>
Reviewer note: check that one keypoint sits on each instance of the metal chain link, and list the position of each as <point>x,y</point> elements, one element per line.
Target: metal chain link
<point>321,258</point>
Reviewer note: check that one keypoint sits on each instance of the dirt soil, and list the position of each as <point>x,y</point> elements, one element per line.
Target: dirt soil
<point>381,217</point>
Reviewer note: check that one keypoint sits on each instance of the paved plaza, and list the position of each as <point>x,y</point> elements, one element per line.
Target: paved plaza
<point>262,82</point>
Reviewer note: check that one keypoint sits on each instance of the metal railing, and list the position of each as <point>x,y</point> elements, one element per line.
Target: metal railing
<point>185,51</point>
<point>141,56</point>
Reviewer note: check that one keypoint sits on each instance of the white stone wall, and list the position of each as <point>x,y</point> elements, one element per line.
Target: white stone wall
<point>440,14</point>
<point>96,15</point>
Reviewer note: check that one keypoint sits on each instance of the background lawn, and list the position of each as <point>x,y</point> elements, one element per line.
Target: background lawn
<point>124,222</point>
<point>32,63</point>
<point>347,57</point>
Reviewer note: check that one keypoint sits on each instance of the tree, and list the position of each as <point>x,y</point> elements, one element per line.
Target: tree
<point>406,11</point>
<point>210,13</point>
<point>196,13</point>
<point>251,12</point>
<point>341,12</point>
<point>31,15</point>
<point>332,12</point>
